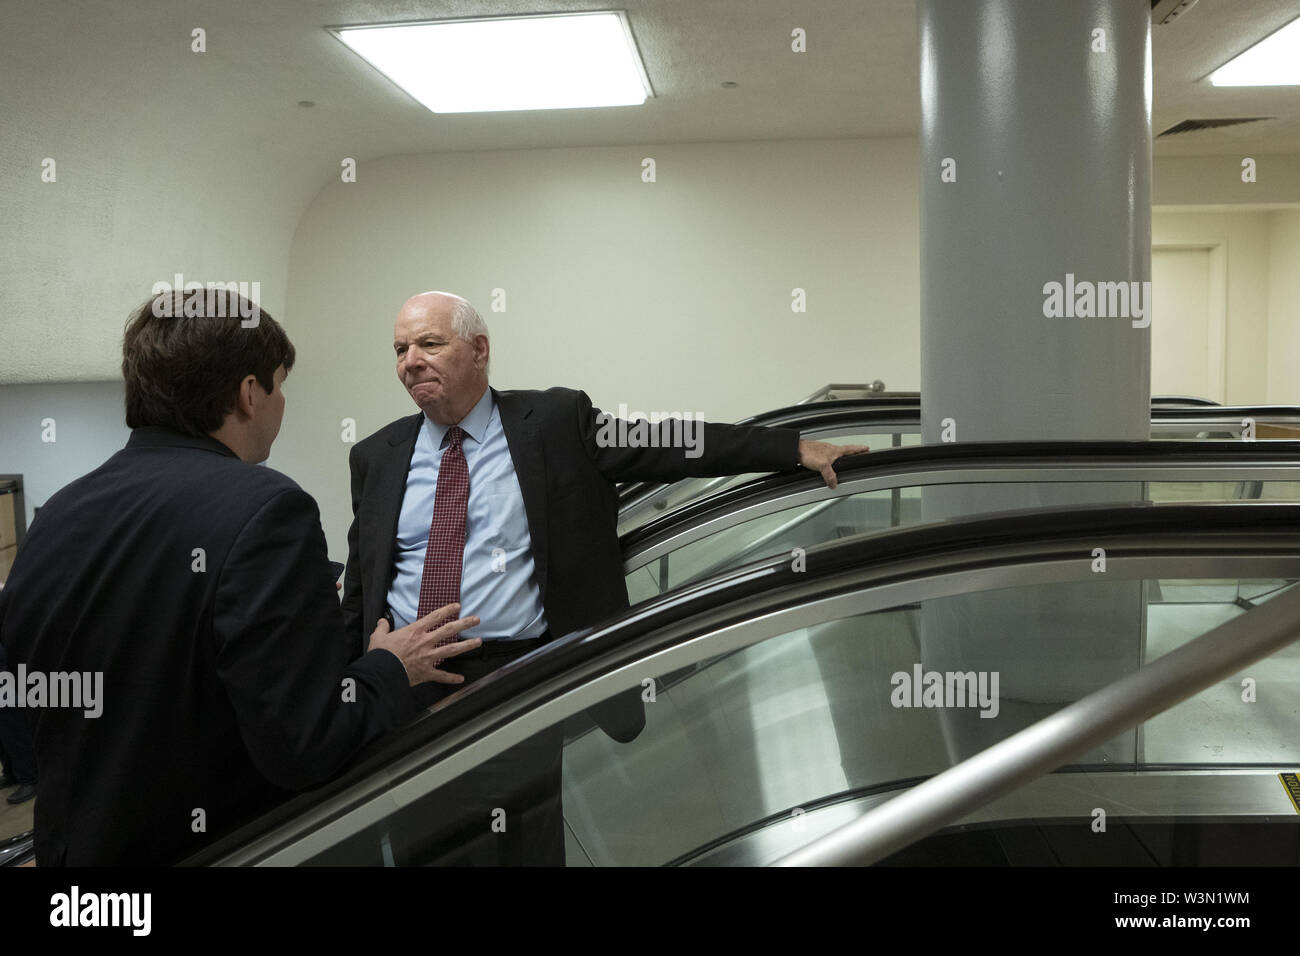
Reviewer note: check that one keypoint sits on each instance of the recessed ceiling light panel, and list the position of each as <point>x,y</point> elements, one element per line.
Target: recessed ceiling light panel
<point>549,62</point>
<point>1273,61</point>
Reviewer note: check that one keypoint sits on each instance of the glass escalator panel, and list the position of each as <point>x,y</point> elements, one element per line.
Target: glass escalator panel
<point>652,502</point>
<point>1169,423</point>
<point>765,733</point>
<point>802,526</point>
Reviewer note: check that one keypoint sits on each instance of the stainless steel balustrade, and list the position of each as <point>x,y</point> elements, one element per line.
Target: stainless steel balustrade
<point>641,502</point>
<point>913,475</point>
<point>834,391</point>
<point>1213,424</point>
<point>1057,739</point>
<point>901,422</point>
<point>876,389</point>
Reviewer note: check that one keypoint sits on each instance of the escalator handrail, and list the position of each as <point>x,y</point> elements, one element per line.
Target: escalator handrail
<point>1184,400</point>
<point>914,459</point>
<point>855,412</point>
<point>869,412</point>
<point>816,410</point>
<point>863,387</point>
<point>1224,414</point>
<point>1057,739</point>
<point>850,564</point>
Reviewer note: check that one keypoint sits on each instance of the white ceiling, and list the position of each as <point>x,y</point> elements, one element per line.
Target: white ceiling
<point>131,60</point>
<point>1186,51</point>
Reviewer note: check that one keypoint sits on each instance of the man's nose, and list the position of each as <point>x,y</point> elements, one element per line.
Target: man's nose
<point>412,359</point>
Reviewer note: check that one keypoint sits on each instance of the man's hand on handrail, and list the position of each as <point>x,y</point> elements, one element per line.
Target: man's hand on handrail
<point>821,455</point>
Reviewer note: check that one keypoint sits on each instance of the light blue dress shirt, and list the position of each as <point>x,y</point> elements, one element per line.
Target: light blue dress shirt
<point>497,580</point>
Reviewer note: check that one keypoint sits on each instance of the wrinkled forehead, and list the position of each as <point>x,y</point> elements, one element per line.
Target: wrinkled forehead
<point>417,318</point>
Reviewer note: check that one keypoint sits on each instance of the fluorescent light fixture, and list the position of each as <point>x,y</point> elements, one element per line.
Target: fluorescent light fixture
<point>548,62</point>
<point>1273,61</point>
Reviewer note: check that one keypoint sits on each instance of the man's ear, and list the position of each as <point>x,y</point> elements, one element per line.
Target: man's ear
<point>244,406</point>
<point>482,349</point>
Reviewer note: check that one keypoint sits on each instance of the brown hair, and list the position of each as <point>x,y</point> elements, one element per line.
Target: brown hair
<point>184,354</point>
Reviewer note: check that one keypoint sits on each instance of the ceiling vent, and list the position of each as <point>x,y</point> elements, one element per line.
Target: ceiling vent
<point>1167,11</point>
<point>1192,125</point>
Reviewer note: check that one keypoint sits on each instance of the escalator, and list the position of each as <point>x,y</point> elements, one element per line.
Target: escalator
<point>876,390</point>
<point>776,708</point>
<point>895,422</point>
<point>857,421</point>
<point>777,514</point>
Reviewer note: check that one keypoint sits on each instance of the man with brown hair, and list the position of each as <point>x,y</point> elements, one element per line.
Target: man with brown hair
<point>197,589</point>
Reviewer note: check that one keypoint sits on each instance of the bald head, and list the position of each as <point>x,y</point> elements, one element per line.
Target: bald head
<point>441,346</point>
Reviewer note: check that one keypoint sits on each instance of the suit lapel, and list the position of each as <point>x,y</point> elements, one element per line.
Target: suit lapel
<point>392,469</point>
<point>524,440</point>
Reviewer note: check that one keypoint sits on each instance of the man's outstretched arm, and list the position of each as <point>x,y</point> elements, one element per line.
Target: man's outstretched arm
<point>673,449</point>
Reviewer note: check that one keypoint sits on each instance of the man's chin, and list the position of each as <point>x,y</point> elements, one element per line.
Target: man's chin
<point>426,398</point>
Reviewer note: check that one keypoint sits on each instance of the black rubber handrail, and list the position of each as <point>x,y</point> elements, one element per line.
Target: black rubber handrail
<point>850,564</point>
<point>819,415</point>
<point>913,458</point>
<point>1221,414</point>
<point>841,404</point>
<point>1182,400</point>
<point>851,412</point>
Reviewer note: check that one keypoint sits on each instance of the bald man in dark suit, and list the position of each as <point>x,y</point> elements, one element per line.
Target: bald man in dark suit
<point>514,492</point>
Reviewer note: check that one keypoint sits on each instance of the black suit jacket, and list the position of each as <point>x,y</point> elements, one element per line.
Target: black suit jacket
<point>567,480</point>
<point>222,680</point>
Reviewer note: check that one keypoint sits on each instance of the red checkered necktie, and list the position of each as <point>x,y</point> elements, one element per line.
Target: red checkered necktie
<point>440,583</point>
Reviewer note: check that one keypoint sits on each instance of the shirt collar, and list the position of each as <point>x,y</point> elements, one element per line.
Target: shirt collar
<point>474,424</point>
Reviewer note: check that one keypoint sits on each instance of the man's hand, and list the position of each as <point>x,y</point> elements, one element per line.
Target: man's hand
<point>821,455</point>
<point>416,645</point>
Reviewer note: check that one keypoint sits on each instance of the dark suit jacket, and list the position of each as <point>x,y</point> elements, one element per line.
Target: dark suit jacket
<point>222,687</point>
<point>567,480</point>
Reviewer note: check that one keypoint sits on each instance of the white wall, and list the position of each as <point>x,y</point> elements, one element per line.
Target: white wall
<point>78,254</point>
<point>1284,307</point>
<point>672,296</point>
<point>88,428</point>
<point>1179,180</point>
<point>1245,237</point>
